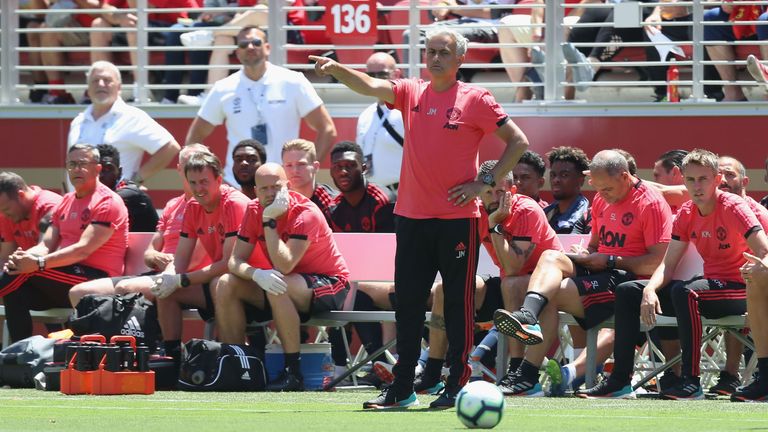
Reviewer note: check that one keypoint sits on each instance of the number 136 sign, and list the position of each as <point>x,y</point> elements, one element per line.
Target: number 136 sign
<point>351,22</point>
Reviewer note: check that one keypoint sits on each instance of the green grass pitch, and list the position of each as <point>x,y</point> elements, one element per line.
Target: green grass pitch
<point>35,411</point>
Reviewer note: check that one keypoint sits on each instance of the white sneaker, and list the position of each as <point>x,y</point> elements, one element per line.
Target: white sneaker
<point>192,100</point>
<point>197,38</point>
<point>166,101</point>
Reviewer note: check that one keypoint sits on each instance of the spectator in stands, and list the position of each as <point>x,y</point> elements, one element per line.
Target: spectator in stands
<point>248,155</point>
<point>109,120</point>
<point>437,209</point>
<point>102,40</point>
<point>263,102</point>
<point>566,178</point>
<point>529,176</point>
<point>175,57</point>
<point>159,252</point>
<point>755,273</point>
<point>86,240</point>
<point>730,30</point>
<point>380,129</point>
<point>361,206</point>
<point>631,226</point>
<point>223,39</point>
<point>301,166</point>
<point>33,41</point>
<point>720,292</point>
<point>212,218</point>
<point>659,17</point>
<point>25,213</point>
<point>475,25</point>
<point>64,38</point>
<point>521,28</point>
<point>142,216</point>
<point>308,273</point>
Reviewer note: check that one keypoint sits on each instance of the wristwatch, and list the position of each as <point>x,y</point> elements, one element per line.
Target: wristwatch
<point>269,223</point>
<point>496,229</point>
<point>611,264</point>
<point>488,179</point>
<point>184,280</point>
<point>41,263</point>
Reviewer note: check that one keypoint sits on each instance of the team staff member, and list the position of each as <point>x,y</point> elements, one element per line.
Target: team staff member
<point>755,273</point>
<point>87,240</point>
<point>212,218</point>
<point>247,155</point>
<point>262,101</point>
<point>722,227</point>
<point>159,253</point>
<point>25,212</point>
<point>631,226</point>
<point>308,272</point>
<point>109,120</point>
<point>301,166</point>
<point>437,227</point>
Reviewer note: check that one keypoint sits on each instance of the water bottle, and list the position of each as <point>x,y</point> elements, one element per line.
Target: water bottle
<point>673,74</point>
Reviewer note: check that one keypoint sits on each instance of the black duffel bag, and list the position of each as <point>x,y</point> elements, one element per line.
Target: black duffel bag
<point>112,315</point>
<point>214,366</point>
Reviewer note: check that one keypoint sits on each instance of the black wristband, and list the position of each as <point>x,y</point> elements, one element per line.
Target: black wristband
<point>184,280</point>
<point>269,223</point>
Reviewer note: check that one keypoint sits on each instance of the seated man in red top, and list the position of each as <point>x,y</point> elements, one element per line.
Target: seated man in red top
<point>308,273</point>
<point>515,232</point>
<point>25,212</point>
<point>159,253</point>
<point>722,227</point>
<point>87,239</point>
<point>212,218</point>
<point>631,225</point>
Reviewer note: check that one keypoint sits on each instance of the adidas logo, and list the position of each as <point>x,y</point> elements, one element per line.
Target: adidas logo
<point>132,328</point>
<point>246,376</point>
<point>460,247</point>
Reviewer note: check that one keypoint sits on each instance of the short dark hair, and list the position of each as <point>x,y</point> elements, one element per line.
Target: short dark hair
<point>534,160</point>
<point>574,155</point>
<point>108,150</point>
<point>672,158</point>
<point>248,28</point>
<point>347,146</point>
<point>254,144</point>
<point>198,161</point>
<point>11,183</point>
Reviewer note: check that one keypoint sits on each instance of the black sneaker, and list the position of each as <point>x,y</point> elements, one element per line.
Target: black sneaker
<point>607,389</point>
<point>726,385</point>
<point>37,95</point>
<point>428,385</point>
<point>447,399</point>
<point>286,382</point>
<point>515,384</point>
<point>688,389</point>
<point>669,380</point>
<point>61,99</point>
<point>387,400</point>
<point>520,324</point>
<point>754,392</point>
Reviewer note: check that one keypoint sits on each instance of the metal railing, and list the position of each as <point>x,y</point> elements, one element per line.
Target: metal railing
<point>15,80</point>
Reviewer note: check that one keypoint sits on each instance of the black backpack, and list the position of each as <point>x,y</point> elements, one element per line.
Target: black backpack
<point>214,366</point>
<point>112,315</point>
<point>22,360</point>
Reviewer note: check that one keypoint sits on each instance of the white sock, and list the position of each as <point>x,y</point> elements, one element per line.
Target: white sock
<point>569,373</point>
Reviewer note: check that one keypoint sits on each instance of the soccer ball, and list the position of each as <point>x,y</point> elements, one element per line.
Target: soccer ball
<point>480,405</point>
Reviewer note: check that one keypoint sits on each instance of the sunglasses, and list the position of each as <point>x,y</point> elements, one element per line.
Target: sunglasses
<point>381,74</point>
<point>245,43</point>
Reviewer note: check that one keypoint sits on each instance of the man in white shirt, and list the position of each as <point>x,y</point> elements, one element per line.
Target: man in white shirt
<point>109,120</point>
<point>262,101</point>
<point>380,130</point>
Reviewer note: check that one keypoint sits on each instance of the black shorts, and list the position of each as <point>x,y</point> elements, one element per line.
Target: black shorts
<point>208,312</point>
<point>493,299</point>
<point>330,292</point>
<point>597,294</point>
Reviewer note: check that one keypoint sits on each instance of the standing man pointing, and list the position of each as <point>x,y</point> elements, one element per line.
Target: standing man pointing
<point>437,210</point>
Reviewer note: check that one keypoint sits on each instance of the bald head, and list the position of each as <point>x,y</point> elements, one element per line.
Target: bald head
<point>609,162</point>
<point>382,65</point>
<point>269,178</point>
